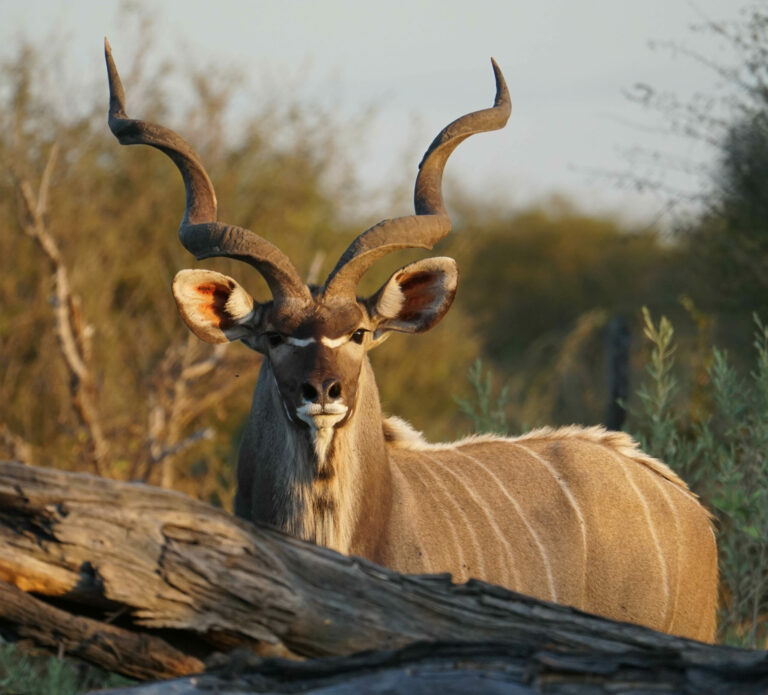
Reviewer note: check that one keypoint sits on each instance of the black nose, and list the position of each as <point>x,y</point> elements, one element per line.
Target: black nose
<point>332,389</point>
<point>309,392</point>
<point>329,390</point>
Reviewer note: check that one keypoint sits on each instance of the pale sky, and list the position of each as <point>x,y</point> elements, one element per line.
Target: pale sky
<point>422,64</point>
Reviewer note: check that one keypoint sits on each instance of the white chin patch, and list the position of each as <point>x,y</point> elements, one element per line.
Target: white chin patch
<point>321,421</point>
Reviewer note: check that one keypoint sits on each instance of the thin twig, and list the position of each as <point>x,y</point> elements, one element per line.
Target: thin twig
<point>206,433</point>
<point>18,447</point>
<point>313,274</point>
<point>175,404</point>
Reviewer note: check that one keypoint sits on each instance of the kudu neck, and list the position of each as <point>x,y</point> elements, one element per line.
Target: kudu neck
<point>318,500</point>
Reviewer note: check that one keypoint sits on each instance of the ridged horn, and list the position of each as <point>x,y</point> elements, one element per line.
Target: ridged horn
<point>431,222</point>
<point>199,232</point>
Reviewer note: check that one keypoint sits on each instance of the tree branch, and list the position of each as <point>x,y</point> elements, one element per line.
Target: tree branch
<point>74,337</point>
<point>175,403</point>
<point>133,654</point>
<point>19,448</point>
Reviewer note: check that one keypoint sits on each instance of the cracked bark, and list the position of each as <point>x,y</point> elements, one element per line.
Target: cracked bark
<point>178,567</point>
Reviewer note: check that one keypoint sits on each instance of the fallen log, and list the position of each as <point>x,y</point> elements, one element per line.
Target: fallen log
<point>481,667</point>
<point>180,569</point>
<point>93,640</point>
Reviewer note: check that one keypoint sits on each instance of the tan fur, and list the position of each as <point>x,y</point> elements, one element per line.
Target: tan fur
<point>401,434</point>
<point>575,515</point>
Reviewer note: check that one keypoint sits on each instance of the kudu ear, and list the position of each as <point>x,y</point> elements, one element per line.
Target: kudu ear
<point>215,307</point>
<point>416,297</point>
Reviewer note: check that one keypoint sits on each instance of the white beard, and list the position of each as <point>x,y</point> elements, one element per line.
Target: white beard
<point>322,439</point>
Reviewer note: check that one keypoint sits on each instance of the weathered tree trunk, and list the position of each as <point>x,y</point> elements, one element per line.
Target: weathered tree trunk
<point>178,570</point>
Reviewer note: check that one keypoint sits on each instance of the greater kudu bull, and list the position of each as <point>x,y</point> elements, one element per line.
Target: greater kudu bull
<point>576,515</point>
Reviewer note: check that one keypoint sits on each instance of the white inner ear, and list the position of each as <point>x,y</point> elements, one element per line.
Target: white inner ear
<point>416,297</point>
<point>240,305</point>
<point>391,300</point>
<point>194,291</point>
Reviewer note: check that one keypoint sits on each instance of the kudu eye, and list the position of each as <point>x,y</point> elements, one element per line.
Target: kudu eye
<point>274,339</point>
<point>358,335</point>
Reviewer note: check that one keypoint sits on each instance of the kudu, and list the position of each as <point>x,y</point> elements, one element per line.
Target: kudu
<point>576,515</point>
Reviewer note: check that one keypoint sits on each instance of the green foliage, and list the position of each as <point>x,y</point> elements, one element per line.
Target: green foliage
<point>541,286</point>
<point>722,453</point>
<point>23,674</point>
<point>486,412</point>
<point>730,240</point>
<point>559,380</point>
<point>535,273</point>
<point>657,396</point>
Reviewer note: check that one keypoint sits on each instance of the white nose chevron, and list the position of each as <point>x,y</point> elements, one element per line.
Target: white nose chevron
<point>328,342</point>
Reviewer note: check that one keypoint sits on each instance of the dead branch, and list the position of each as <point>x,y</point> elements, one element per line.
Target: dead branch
<point>94,640</point>
<point>74,336</point>
<point>313,274</point>
<point>174,404</point>
<point>17,446</point>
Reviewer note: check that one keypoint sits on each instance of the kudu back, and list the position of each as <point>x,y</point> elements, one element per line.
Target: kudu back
<point>579,516</point>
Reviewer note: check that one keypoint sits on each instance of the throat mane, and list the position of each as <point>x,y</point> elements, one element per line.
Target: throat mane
<point>322,440</point>
<point>313,482</point>
<point>323,493</point>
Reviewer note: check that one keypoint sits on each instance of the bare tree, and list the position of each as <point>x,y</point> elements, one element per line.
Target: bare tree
<point>174,401</point>
<point>73,334</point>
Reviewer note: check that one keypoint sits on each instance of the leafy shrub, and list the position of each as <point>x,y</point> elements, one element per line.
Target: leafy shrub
<point>721,452</point>
<point>487,412</point>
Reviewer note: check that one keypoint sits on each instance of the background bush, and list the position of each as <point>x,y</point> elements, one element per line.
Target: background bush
<point>720,449</point>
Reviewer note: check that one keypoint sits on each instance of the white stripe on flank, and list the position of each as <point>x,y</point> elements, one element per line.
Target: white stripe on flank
<point>478,571</point>
<point>676,593</point>
<point>577,510</point>
<point>652,529</point>
<point>508,566</point>
<point>531,530</point>
<point>408,492</point>
<point>451,525</point>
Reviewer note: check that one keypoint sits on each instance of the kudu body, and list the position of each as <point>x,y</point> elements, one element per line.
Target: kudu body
<point>577,515</point>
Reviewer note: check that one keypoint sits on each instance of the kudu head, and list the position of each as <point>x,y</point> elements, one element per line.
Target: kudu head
<point>315,338</point>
